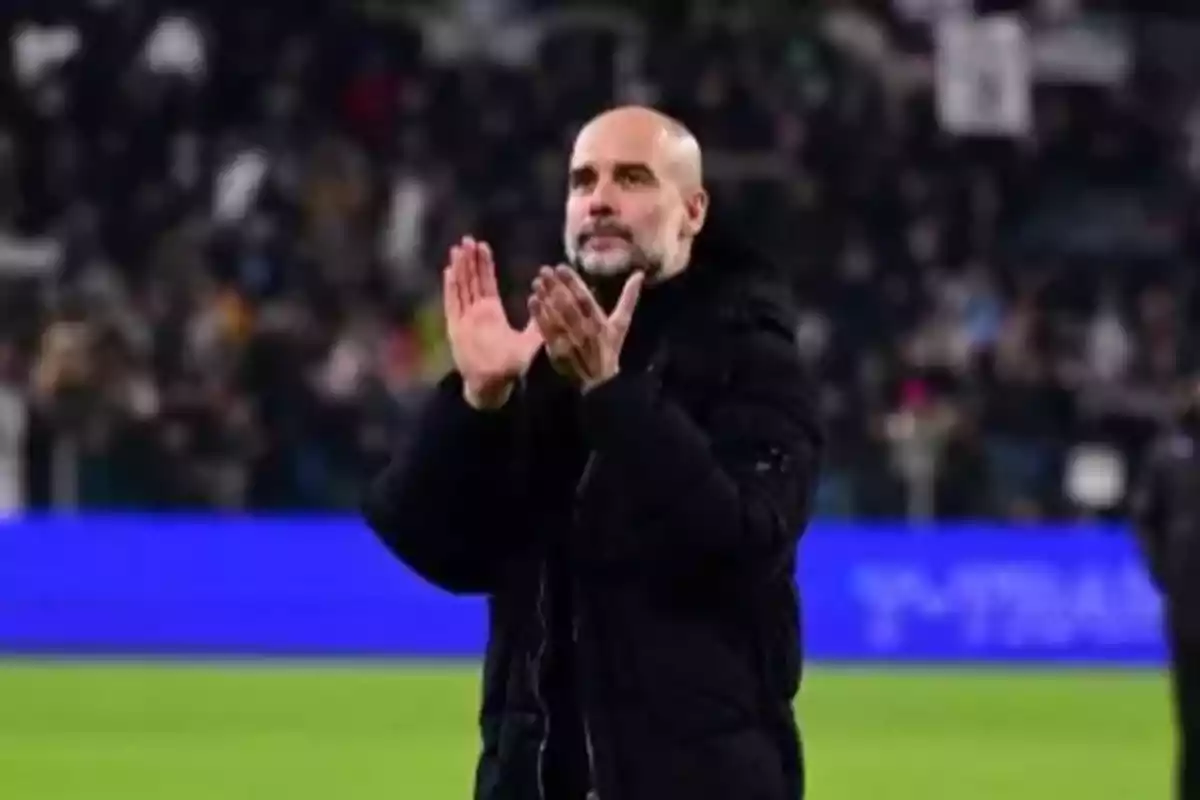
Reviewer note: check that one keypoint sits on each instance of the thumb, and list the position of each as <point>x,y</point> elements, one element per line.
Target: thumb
<point>622,316</point>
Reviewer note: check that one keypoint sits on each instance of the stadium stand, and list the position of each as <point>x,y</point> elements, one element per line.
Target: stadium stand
<point>220,230</point>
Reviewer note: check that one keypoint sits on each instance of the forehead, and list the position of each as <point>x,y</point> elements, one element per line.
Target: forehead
<point>605,144</point>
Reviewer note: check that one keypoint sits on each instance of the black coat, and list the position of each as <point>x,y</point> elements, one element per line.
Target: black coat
<point>637,550</point>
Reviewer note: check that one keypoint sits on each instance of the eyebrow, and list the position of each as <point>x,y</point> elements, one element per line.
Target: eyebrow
<point>577,174</point>
<point>621,167</point>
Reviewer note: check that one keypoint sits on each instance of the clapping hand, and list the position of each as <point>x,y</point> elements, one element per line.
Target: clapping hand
<point>583,342</point>
<point>488,352</point>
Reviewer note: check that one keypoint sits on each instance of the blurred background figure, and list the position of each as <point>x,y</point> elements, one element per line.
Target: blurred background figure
<point>1167,519</point>
<point>14,419</point>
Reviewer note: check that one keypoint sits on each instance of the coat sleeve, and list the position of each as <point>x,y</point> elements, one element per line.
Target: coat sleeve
<point>737,488</point>
<point>1149,512</point>
<point>448,505</point>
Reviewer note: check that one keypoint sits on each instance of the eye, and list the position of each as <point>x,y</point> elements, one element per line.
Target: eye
<point>582,178</point>
<point>634,175</point>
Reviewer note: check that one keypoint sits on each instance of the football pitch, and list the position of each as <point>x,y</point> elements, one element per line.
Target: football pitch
<point>224,731</point>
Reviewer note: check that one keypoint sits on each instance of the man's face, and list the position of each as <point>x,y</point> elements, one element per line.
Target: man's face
<point>625,209</point>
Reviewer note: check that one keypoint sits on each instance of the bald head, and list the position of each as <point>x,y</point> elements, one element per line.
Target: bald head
<point>637,196</point>
<point>661,132</point>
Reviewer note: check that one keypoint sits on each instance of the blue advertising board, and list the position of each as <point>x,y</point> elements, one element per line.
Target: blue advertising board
<point>251,586</point>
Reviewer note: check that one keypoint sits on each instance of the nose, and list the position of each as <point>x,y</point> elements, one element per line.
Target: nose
<point>602,202</point>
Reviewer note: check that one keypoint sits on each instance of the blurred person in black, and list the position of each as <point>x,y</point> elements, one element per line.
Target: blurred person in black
<point>1166,509</point>
<point>625,479</point>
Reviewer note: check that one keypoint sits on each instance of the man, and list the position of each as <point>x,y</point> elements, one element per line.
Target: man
<point>1166,511</point>
<point>625,479</point>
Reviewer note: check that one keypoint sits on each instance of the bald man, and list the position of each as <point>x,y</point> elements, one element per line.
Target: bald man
<point>625,480</point>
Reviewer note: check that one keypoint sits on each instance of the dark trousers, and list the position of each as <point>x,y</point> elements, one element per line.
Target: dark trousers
<point>1186,691</point>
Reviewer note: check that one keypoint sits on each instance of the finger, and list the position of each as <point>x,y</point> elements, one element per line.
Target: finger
<point>587,314</point>
<point>562,300</point>
<point>561,339</point>
<point>550,321</point>
<point>622,316</point>
<point>544,286</point>
<point>549,325</point>
<point>585,301</point>
<point>564,303</point>
<point>471,269</point>
<point>558,346</point>
<point>460,275</point>
<point>539,319</point>
<point>487,271</point>
<point>456,279</point>
<point>565,309</point>
<point>541,290</point>
<point>450,299</point>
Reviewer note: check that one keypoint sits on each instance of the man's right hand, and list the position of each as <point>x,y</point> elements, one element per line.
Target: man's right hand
<point>489,353</point>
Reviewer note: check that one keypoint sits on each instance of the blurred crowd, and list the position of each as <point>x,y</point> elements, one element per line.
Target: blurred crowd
<point>221,228</point>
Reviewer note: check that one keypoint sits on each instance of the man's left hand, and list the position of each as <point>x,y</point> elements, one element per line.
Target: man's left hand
<point>583,342</point>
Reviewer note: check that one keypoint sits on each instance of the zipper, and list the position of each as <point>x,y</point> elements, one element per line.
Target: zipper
<point>537,681</point>
<point>593,793</point>
<point>539,657</point>
<point>544,623</point>
<point>585,478</point>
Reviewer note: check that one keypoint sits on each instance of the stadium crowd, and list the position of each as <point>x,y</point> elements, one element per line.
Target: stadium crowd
<point>221,230</point>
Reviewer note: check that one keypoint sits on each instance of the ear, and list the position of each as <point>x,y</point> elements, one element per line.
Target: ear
<point>695,208</point>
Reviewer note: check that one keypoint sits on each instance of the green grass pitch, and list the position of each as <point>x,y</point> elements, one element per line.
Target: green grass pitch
<point>226,731</point>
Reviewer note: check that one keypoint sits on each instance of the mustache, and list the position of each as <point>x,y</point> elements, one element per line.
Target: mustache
<point>605,229</point>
